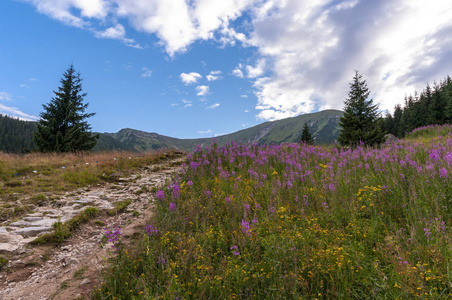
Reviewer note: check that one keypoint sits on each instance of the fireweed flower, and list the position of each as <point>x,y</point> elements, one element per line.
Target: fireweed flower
<point>443,172</point>
<point>427,233</point>
<point>113,237</point>
<point>160,195</point>
<point>172,206</point>
<point>150,230</point>
<point>247,207</point>
<point>190,183</point>
<point>228,200</point>
<point>235,249</point>
<point>176,191</point>
<point>245,226</point>
<point>258,206</point>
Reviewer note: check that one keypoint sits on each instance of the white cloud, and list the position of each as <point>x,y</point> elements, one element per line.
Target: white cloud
<point>315,46</point>
<point>214,75</point>
<point>238,71</point>
<point>177,23</point>
<point>117,33</point>
<point>146,72</point>
<point>13,111</point>
<point>190,78</point>
<point>4,96</point>
<point>202,90</point>
<point>187,103</point>
<point>174,104</point>
<point>213,106</point>
<point>258,70</point>
<point>246,111</point>
<point>243,96</point>
<point>204,132</point>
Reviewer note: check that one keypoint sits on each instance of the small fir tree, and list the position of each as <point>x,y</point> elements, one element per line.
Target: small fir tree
<point>63,126</point>
<point>361,121</point>
<point>306,136</point>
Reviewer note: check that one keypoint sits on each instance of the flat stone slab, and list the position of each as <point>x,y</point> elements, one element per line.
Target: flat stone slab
<point>37,214</point>
<point>32,219</point>
<point>10,238</point>
<point>32,231</point>
<point>83,201</point>
<point>20,223</point>
<point>44,223</point>
<point>3,230</point>
<point>6,247</point>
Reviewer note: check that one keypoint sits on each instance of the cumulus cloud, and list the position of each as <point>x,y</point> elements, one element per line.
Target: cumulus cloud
<point>214,75</point>
<point>213,106</point>
<point>177,23</point>
<point>257,70</point>
<point>315,46</point>
<point>146,72</point>
<point>243,96</point>
<point>190,78</point>
<point>13,111</point>
<point>306,51</point>
<point>202,90</point>
<point>237,72</point>
<point>117,33</point>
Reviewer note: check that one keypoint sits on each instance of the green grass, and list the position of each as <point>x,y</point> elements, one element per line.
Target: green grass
<point>63,231</point>
<point>297,222</point>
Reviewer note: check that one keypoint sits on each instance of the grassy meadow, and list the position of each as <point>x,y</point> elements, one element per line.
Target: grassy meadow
<point>297,222</point>
<point>36,179</point>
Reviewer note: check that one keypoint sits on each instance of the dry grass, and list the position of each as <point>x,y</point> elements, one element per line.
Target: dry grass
<point>48,175</point>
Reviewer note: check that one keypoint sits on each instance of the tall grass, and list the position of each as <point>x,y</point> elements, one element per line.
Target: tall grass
<point>37,172</point>
<point>297,222</point>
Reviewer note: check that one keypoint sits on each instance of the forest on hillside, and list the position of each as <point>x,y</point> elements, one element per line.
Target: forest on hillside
<point>16,136</point>
<point>432,106</point>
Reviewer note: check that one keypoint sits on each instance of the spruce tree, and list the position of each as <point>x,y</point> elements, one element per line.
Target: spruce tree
<point>63,126</point>
<point>361,121</point>
<point>306,136</point>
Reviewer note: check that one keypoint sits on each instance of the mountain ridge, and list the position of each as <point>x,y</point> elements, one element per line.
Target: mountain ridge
<point>323,125</point>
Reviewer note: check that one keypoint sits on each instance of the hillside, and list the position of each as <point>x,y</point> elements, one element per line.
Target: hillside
<point>323,126</point>
<point>16,135</point>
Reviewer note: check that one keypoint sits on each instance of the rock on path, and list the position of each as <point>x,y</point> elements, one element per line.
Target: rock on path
<point>54,279</point>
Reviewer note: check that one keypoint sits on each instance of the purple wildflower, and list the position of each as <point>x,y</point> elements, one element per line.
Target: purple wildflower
<point>443,172</point>
<point>245,226</point>
<point>150,230</point>
<point>113,237</point>
<point>176,191</point>
<point>172,206</point>
<point>160,195</point>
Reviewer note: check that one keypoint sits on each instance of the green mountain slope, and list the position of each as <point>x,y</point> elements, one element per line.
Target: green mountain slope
<point>323,126</point>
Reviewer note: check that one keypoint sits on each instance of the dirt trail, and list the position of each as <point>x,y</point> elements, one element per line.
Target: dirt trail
<point>71,270</point>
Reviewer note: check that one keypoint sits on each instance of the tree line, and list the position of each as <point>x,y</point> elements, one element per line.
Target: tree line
<point>432,106</point>
<point>16,135</point>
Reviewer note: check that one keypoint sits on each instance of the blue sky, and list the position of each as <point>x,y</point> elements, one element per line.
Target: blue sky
<point>200,68</point>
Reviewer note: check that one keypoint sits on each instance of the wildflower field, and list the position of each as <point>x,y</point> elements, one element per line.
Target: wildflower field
<point>297,222</point>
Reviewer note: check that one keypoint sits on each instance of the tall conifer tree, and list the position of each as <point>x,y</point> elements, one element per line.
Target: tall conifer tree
<point>63,126</point>
<point>306,136</point>
<point>361,121</point>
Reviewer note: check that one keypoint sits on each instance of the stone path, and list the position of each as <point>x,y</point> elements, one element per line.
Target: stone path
<point>35,274</point>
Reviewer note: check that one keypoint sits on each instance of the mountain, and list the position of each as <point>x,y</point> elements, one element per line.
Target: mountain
<point>324,127</point>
